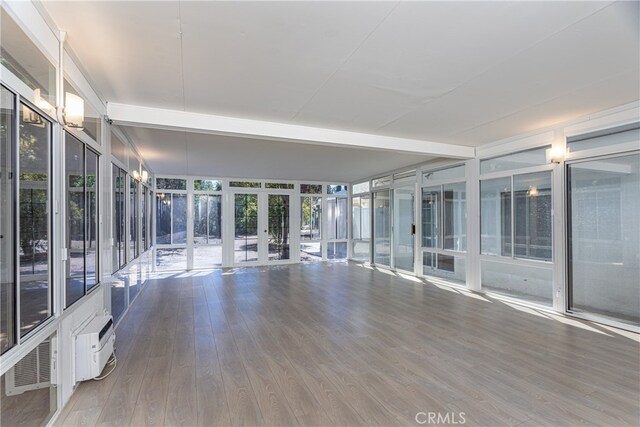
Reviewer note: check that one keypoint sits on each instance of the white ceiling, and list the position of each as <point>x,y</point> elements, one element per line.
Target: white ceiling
<point>457,72</point>
<point>199,154</point>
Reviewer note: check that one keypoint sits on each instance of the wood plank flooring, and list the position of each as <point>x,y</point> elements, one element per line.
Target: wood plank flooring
<point>341,344</point>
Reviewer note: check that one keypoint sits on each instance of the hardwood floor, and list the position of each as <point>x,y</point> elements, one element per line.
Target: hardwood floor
<point>341,344</point>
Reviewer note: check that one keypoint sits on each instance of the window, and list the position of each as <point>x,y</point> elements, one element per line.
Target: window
<point>207,185</point>
<point>171,226</point>
<point>310,228</point>
<point>119,178</point>
<point>384,181</point>
<point>134,247</point>
<point>455,216</point>
<point>519,160</point>
<point>382,227</point>
<point>606,138</point>
<point>207,230</point>
<point>7,272</point>
<point>530,202</point>
<point>431,217</point>
<point>34,220</point>
<point>337,218</point>
<point>338,189</point>
<point>91,122</point>
<point>456,172</point>
<point>244,184</point>
<point>362,187</point>
<point>144,206</point>
<point>311,188</point>
<point>171,184</point>
<point>279,186</point>
<point>81,178</point>
<point>361,227</point>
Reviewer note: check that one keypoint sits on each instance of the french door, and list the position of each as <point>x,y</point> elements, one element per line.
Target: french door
<point>262,227</point>
<point>404,228</point>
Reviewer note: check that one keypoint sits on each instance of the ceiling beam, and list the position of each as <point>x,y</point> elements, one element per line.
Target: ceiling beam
<point>134,115</point>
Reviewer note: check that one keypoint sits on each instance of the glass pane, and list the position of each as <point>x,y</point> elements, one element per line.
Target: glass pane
<point>311,251</point>
<point>443,174</point>
<point>144,200</point>
<point>361,250</point>
<point>25,60</point>
<point>171,184</point>
<point>600,140</point>
<point>179,219</point>
<point>246,227</point>
<point>338,189</point>
<point>403,215</point>
<point>455,216</point>
<point>525,282</point>
<point>280,186</point>
<point>311,218</point>
<point>382,228</point>
<point>207,256</point>
<point>523,159</point>
<point>337,250</point>
<point>278,206</point>
<point>35,294</point>
<point>91,244</point>
<point>134,281</point>
<point>381,182</point>
<point>431,217</point>
<point>337,218</point>
<point>74,179</point>
<point>311,188</point>
<point>452,268</point>
<point>163,219</point>
<point>28,395</point>
<point>207,185</point>
<point>363,187</point>
<point>604,237</point>
<point>116,218</point>
<point>244,184</point>
<point>7,290</point>
<point>133,219</point>
<point>171,259</point>
<point>215,219</point>
<point>532,215</point>
<point>200,218</point>
<point>495,216</point>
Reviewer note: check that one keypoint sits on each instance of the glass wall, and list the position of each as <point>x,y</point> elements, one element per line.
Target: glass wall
<point>604,237</point>
<point>382,227</point>
<point>207,224</point>
<point>119,178</point>
<point>337,217</point>
<point>171,224</point>
<point>516,226</point>
<point>34,185</point>
<point>310,226</point>
<point>7,273</point>
<point>245,247</point>
<point>81,178</point>
<point>278,206</point>
<point>444,223</point>
<point>361,227</point>
<point>134,244</point>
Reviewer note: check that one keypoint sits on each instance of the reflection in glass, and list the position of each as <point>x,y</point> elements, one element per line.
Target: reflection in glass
<point>74,179</point>
<point>337,217</point>
<point>171,184</point>
<point>207,185</point>
<point>310,228</point>
<point>337,250</point>
<point>311,188</point>
<point>382,227</point>
<point>118,251</point>
<point>361,227</point>
<point>163,219</point>
<point>532,215</point>
<point>207,219</point>
<point>495,216</point>
<point>133,219</point>
<point>338,189</point>
<point>144,203</point>
<point>7,291</point>
<point>604,237</point>
<point>171,259</point>
<point>519,160</point>
<point>278,208</point>
<point>91,244</point>
<point>519,281</point>
<point>448,267</point>
<point>246,227</point>
<point>33,244</point>
<point>179,219</point>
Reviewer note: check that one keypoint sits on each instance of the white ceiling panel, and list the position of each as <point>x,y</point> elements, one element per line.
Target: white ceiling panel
<point>197,154</point>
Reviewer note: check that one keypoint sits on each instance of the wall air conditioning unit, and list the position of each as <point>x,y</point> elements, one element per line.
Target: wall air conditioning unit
<point>32,372</point>
<point>95,344</point>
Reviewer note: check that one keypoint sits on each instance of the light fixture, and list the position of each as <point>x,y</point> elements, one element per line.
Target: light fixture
<point>533,191</point>
<point>73,112</point>
<point>31,117</point>
<point>145,176</point>
<point>555,155</point>
<point>136,175</point>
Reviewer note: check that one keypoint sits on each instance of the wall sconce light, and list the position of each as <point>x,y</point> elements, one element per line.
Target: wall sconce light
<point>31,117</point>
<point>136,175</point>
<point>555,155</point>
<point>73,111</point>
<point>145,176</point>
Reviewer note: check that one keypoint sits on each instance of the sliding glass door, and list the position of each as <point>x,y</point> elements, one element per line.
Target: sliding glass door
<point>382,228</point>
<point>404,228</point>
<point>604,237</point>
<point>245,244</point>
